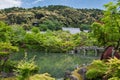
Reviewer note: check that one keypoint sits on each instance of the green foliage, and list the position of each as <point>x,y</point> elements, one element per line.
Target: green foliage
<point>99,64</point>
<point>107,31</point>
<point>25,68</point>
<point>96,73</point>
<point>56,41</point>
<point>84,27</point>
<point>99,33</point>
<point>18,35</point>
<point>35,30</point>
<point>8,67</point>
<point>34,41</point>
<point>60,41</point>
<point>52,44</point>
<point>5,32</point>
<point>77,39</point>
<point>84,39</point>
<point>98,68</point>
<point>19,17</point>
<point>51,25</point>
<point>114,78</point>
<point>54,15</point>
<point>109,70</point>
<point>7,48</point>
<point>114,67</point>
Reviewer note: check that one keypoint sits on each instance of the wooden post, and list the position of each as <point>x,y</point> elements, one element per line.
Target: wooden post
<point>84,52</point>
<point>95,50</point>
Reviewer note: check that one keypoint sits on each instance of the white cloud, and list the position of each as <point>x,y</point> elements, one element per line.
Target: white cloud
<point>37,1</point>
<point>10,3</point>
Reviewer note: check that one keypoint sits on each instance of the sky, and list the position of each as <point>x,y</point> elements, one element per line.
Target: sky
<point>72,3</point>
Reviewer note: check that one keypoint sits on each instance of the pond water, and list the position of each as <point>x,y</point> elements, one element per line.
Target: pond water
<point>56,63</point>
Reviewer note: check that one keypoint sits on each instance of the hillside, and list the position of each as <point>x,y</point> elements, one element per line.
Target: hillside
<point>52,17</point>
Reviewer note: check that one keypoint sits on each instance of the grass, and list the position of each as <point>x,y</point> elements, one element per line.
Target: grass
<point>55,63</point>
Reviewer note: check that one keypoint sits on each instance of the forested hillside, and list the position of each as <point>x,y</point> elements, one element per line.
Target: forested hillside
<point>51,17</point>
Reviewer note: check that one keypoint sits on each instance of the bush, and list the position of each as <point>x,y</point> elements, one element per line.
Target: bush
<point>114,78</point>
<point>104,70</point>
<point>93,74</point>
<point>96,70</point>
<point>26,68</point>
<point>114,68</point>
<point>8,66</point>
<point>5,50</point>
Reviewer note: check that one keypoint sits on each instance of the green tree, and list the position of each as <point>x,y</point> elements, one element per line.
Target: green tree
<point>18,35</point>
<point>107,31</point>
<point>84,27</point>
<point>35,30</point>
<point>5,32</point>
<point>51,25</point>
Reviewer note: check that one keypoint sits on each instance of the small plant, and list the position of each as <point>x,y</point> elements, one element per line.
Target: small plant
<point>114,67</point>
<point>104,70</point>
<point>26,68</point>
<point>93,74</point>
<point>96,70</point>
<point>9,66</point>
<point>5,50</point>
<point>114,78</point>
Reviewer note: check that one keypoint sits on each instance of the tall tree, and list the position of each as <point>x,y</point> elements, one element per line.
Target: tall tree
<point>5,32</point>
<point>107,31</point>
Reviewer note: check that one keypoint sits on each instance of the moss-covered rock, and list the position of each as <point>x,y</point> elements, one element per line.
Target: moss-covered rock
<point>44,76</point>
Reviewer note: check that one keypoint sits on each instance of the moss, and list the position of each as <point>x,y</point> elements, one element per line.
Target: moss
<point>10,78</point>
<point>44,76</point>
<point>75,73</point>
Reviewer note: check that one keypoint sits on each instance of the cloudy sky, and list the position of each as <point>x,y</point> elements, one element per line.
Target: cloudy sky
<point>72,3</point>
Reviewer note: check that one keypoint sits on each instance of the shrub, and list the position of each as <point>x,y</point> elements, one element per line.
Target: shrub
<point>104,70</point>
<point>26,68</point>
<point>96,70</point>
<point>8,66</point>
<point>114,78</point>
<point>5,50</point>
<point>114,67</point>
<point>93,74</point>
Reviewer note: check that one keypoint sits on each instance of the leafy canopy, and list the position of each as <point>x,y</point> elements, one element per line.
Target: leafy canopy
<point>107,32</point>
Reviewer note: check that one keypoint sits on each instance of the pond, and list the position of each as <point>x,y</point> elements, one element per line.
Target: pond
<point>56,63</point>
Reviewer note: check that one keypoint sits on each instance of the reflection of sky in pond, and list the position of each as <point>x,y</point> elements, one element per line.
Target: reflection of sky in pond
<point>71,30</point>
